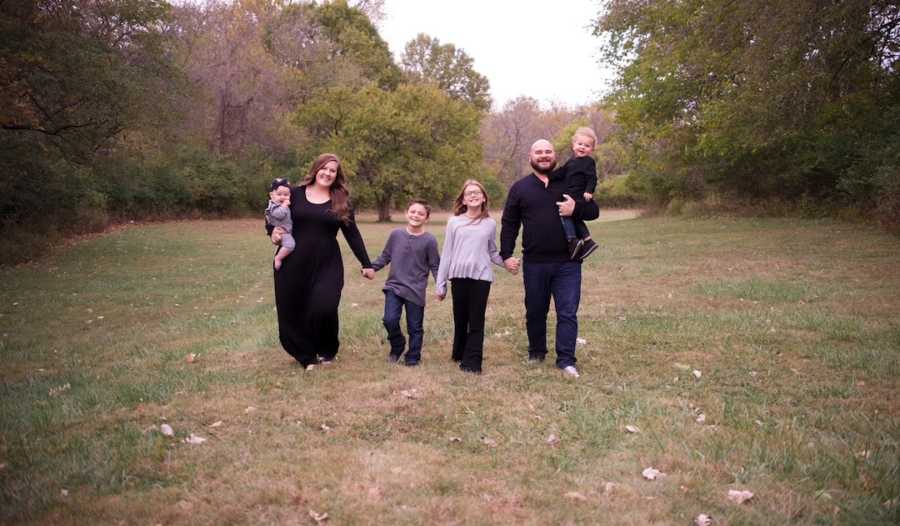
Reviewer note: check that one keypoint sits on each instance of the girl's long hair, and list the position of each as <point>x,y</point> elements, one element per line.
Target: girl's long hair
<point>459,206</point>
<point>340,192</point>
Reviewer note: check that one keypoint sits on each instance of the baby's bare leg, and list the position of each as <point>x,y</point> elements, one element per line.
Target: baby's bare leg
<point>282,253</point>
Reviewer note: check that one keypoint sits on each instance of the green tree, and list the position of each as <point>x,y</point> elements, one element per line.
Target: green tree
<point>74,75</point>
<point>412,141</point>
<point>425,59</point>
<point>357,39</point>
<point>761,98</point>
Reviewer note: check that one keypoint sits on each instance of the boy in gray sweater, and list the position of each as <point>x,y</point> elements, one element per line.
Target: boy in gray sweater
<point>412,253</point>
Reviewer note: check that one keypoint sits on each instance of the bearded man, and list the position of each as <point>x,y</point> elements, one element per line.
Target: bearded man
<point>536,202</point>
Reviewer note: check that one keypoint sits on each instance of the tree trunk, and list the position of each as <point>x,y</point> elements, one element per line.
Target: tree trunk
<point>384,209</point>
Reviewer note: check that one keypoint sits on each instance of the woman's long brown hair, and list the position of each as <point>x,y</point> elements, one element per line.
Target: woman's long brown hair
<point>459,206</point>
<point>340,192</point>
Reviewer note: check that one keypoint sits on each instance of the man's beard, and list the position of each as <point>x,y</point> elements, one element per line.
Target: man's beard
<point>542,171</point>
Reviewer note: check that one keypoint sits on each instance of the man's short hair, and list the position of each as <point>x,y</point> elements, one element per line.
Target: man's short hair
<point>422,202</point>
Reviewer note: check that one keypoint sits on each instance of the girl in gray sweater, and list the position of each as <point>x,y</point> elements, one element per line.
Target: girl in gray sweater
<point>469,250</point>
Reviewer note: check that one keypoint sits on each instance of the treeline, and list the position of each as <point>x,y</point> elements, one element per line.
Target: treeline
<point>760,101</point>
<point>139,108</point>
<point>116,109</point>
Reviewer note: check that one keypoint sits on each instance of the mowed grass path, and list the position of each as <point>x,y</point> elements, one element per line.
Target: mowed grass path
<point>794,326</point>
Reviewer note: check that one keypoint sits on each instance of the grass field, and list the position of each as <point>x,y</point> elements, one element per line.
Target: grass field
<point>794,327</point>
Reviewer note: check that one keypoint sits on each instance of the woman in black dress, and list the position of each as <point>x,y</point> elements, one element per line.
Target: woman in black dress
<point>308,285</point>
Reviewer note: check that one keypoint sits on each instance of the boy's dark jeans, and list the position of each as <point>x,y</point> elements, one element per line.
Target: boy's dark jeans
<point>574,229</point>
<point>415,317</point>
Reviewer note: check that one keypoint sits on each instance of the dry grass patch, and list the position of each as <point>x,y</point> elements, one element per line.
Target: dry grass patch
<point>792,324</point>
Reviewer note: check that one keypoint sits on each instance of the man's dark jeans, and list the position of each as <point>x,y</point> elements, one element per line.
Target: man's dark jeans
<point>415,315</point>
<point>562,281</point>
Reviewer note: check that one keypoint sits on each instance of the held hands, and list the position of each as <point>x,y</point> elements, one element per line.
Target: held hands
<point>566,206</point>
<point>511,264</point>
<point>368,273</point>
<point>439,296</point>
<point>277,232</point>
<point>588,196</point>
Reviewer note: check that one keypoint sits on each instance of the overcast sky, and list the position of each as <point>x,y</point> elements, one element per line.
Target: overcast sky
<point>539,48</point>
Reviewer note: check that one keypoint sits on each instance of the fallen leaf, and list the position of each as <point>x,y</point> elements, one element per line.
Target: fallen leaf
<point>651,473</point>
<point>574,495</point>
<point>823,494</point>
<point>553,440</point>
<point>354,305</point>
<point>166,430</point>
<point>249,409</point>
<point>609,487</point>
<point>64,492</point>
<point>325,427</point>
<point>580,341</point>
<point>739,496</point>
<point>56,391</point>
<point>194,439</point>
<point>375,493</point>
<point>318,517</point>
<point>632,429</point>
<point>412,394</point>
<point>190,358</point>
<point>701,418</point>
<point>703,520</point>
<point>681,366</point>
<point>697,374</point>
<point>455,439</point>
<point>490,442</point>
<point>217,423</point>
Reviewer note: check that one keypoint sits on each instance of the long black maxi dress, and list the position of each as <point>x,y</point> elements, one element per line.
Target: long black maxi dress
<point>308,285</point>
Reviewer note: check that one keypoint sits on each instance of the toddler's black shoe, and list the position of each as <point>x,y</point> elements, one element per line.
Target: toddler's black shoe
<point>588,248</point>
<point>576,246</point>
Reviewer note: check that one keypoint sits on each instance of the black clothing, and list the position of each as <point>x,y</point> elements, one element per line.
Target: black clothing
<point>470,298</point>
<point>308,285</point>
<point>581,173</point>
<point>531,204</point>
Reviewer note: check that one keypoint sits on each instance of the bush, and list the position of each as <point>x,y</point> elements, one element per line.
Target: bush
<point>620,191</point>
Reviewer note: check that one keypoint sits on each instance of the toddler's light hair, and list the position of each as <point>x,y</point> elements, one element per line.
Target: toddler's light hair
<point>584,131</point>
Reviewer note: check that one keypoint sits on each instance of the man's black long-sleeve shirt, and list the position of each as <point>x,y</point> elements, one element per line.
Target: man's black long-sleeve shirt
<point>532,205</point>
